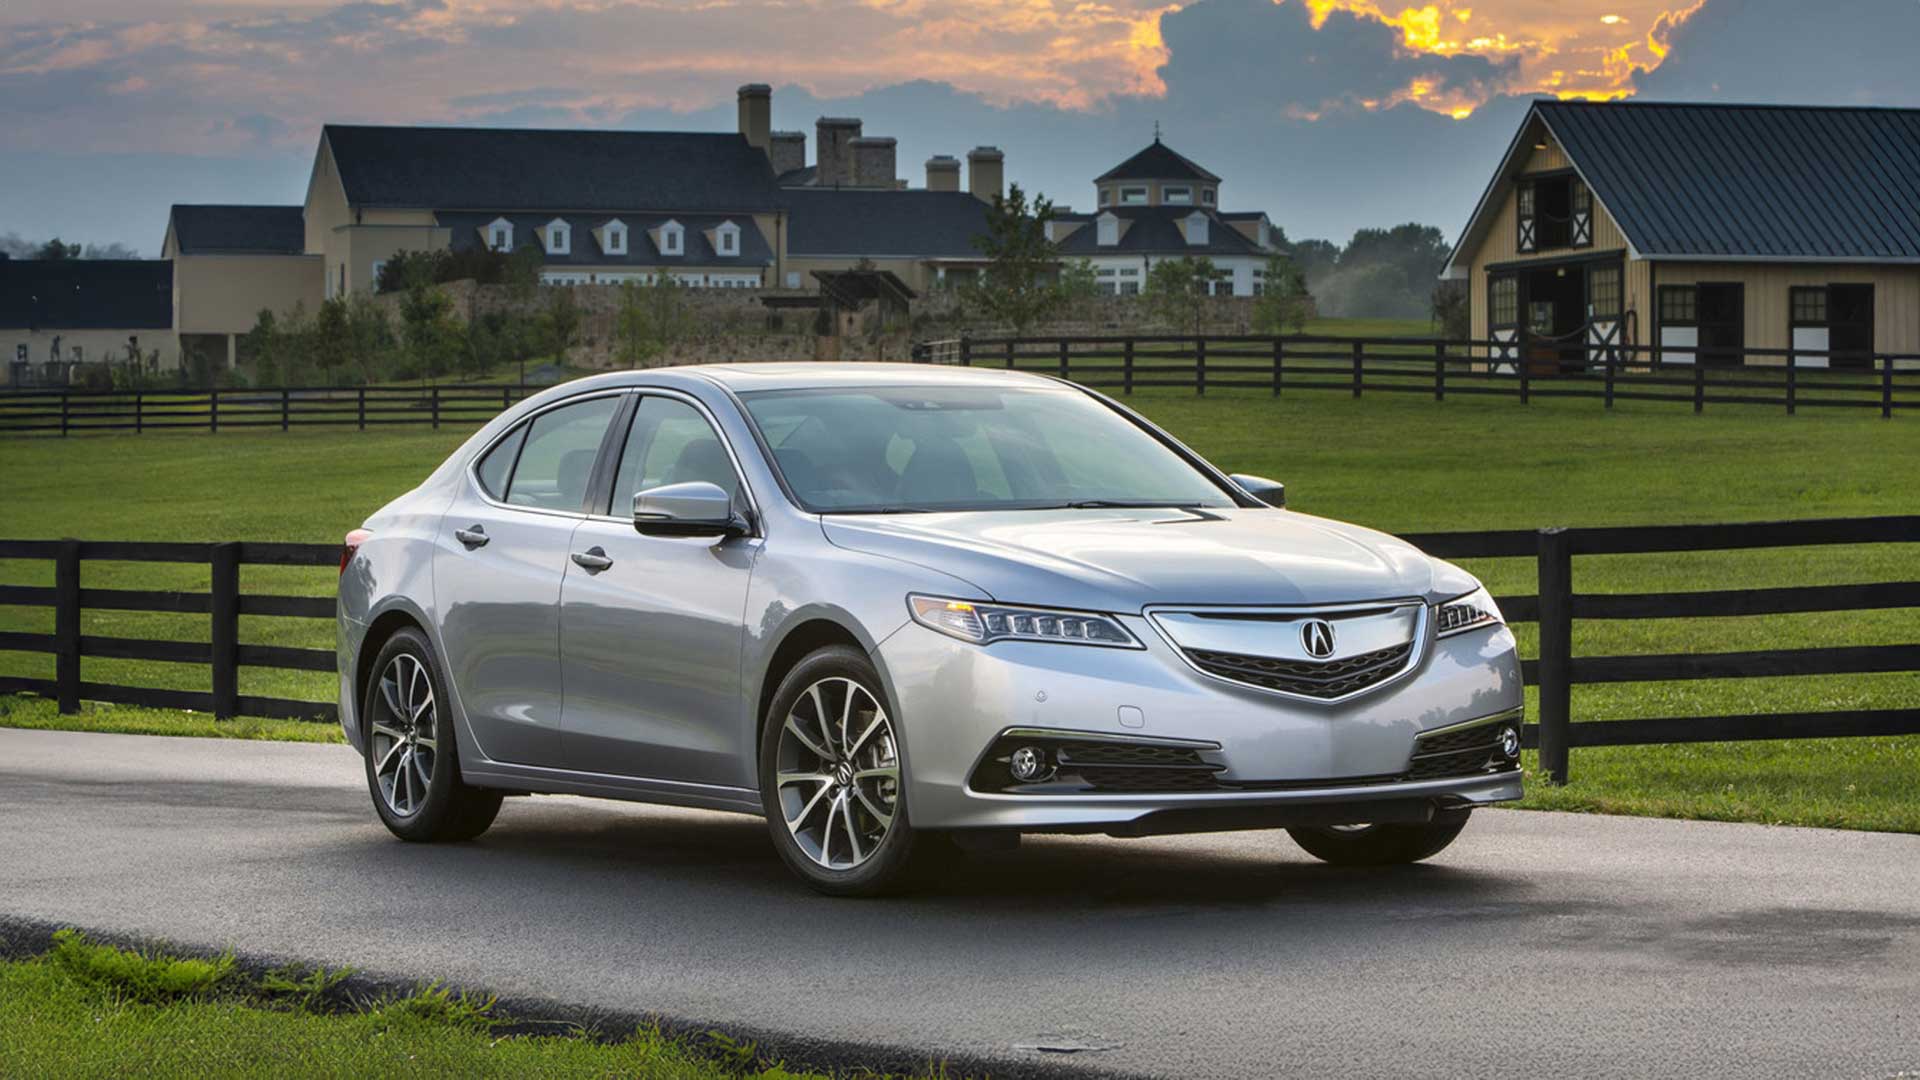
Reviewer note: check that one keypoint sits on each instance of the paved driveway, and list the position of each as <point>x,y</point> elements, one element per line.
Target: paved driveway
<point>1538,944</point>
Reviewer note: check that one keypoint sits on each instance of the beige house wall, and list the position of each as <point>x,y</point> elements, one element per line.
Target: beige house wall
<point>1896,298</point>
<point>359,247</point>
<point>224,294</point>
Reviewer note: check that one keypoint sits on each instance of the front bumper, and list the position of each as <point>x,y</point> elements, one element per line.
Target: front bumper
<point>1278,761</point>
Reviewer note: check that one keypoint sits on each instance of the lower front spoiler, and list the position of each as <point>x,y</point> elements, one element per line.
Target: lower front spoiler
<point>1160,815</point>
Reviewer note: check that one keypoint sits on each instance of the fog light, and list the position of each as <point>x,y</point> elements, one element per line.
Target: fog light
<point>1028,764</point>
<point>1510,743</point>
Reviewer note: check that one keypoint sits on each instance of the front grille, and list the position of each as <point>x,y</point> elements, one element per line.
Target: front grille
<point>1462,752</point>
<point>1328,680</point>
<point>1137,767</point>
<point>1122,779</point>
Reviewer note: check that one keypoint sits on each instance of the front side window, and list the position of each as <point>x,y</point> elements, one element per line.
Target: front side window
<point>670,442</point>
<point>913,449</point>
<point>556,464</point>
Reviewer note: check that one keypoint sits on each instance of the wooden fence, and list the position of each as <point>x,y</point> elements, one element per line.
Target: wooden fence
<point>1789,379</point>
<point>1554,607</point>
<point>72,412</point>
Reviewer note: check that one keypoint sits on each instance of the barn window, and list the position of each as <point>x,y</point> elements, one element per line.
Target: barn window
<point>1603,286</point>
<point>1810,306</point>
<point>1131,196</point>
<point>1503,301</point>
<point>1679,305</point>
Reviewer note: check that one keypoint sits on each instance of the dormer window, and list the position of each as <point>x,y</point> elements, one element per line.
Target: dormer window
<point>613,237</point>
<point>499,235</point>
<point>559,237</point>
<point>1106,196</point>
<point>671,238</point>
<point>1177,196</point>
<point>726,239</point>
<point>1107,228</point>
<point>1206,196</point>
<point>1133,196</point>
<point>1196,229</point>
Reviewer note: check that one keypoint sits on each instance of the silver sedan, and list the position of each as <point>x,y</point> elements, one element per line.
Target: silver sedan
<point>901,610</point>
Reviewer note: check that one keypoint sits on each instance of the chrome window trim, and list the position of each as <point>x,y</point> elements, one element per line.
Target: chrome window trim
<point>473,463</point>
<point>1416,655</point>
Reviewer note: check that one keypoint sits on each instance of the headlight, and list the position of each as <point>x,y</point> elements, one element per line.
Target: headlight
<point>1469,612</point>
<point>984,624</point>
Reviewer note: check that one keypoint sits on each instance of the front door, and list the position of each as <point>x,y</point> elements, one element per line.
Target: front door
<point>1722,315</point>
<point>501,552</point>
<point>651,632</point>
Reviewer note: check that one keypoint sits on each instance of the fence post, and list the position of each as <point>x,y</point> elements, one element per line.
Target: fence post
<point>139,421</point>
<point>1279,364</point>
<point>1699,384</point>
<point>966,351</point>
<point>1886,387</point>
<point>64,413</point>
<point>226,630</point>
<point>506,401</point>
<point>1793,379</point>
<point>1200,366</point>
<point>1063,358</point>
<point>1126,375</point>
<point>363,408</point>
<point>66,625</point>
<point>1009,352</point>
<point>286,407</point>
<point>213,411</point>
<point>1358,350</point>
<point>1608,362</point>
<point>1555,572</point>
<point>436,408</point>
<point>1526,376</point>
<point>1440,371</point>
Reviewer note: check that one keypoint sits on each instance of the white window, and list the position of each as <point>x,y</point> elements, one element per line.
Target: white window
<point>1206,196</point>
<point>1107,228</point>
<point>793,279</point>
<point>1197,229</point>
<point>671,239</point>
<point>1129,288</point>
<point>1106,196</point>
<point>614,237</point>
<point>726,239</point>
<point>559,237</point>
<point>1105,271</point>
<point>1133,196</point>
<point>500,235</point>
<point>1179,196</point>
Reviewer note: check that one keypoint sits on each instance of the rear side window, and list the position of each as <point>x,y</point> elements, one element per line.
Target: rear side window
<point>556,463</point>
<point>497,465</point>
<point>670,442</point>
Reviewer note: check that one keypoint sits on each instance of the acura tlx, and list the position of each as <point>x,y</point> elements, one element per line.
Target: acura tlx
<point>902,610</point>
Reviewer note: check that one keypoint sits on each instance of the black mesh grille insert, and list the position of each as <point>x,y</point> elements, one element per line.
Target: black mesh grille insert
<point>1332,679</point>
<point>1456,753</point>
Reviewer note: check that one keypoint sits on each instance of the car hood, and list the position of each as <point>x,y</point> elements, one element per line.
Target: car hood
<point>1124,560</point>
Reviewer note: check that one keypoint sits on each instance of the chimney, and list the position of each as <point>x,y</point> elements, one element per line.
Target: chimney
<point>831,136</point>
<point>756,114</point>
<point>873,161</point>
<point>943,173</point>
<point>788,151</point>
<point>986,172</point>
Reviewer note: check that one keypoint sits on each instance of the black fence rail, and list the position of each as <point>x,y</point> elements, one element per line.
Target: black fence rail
<point>1789,379</point>
<point>1554,607</point>
<point>75,412</point>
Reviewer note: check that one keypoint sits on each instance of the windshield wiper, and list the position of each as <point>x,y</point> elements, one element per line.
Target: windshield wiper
<point>1126,504</point>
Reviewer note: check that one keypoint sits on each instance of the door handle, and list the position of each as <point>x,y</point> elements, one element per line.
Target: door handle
<point>593,560</point>
<point>474,538</point>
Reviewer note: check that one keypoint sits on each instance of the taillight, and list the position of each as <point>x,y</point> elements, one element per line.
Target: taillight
<point>351,545</point>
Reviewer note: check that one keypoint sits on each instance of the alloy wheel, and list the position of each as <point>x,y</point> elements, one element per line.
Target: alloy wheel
<point>404,733</point>
<point>837,773</point>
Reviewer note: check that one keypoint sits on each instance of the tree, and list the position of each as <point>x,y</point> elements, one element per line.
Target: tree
<point>1449,310</point>
<point>633,326</point>
<point>1014,288</point>
<point>522,274</point>
<point>1178,291</point>
<point>561,322</point>
<point>433,338</point>
<point>1079,286</point>
<point>1285,303</point>
<point>55,250</point>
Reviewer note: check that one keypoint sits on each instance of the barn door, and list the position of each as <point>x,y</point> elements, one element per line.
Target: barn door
<point>1603,313</point>
<point>1503,321</point>
<point>1526,217</point>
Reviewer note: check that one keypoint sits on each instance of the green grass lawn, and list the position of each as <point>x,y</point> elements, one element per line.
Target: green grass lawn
<point>85,1009</point>
<point>1397,462</point>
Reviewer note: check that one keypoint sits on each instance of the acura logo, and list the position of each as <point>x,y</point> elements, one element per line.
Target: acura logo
<point>1316,636</point>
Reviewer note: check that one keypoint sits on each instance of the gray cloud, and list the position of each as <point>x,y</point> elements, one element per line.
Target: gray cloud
<point>1855,52</point>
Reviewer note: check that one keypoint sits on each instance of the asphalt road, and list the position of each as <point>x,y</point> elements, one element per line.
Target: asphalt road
<point>1538,944</point>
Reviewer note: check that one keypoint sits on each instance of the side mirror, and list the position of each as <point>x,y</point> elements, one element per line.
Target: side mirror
<point>1271,492</point>
<point>697,508</point>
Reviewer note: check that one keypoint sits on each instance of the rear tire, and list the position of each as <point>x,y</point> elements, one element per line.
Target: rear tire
<point>413,757</point>
<point>1380,845</point>
<point>833,782</point>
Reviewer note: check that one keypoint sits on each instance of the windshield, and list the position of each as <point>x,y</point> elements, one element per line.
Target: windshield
<point>904,449</point>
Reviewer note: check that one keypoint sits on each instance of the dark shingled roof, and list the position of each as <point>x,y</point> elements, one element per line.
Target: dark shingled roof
<point>1156,162</point>
<point>1738,181</point>
<point>239,230</point>
<point>880,223</point>
<point>466,228</point>
<point>437,168</point>
<point>1155,232</point>
<point>86,294</point>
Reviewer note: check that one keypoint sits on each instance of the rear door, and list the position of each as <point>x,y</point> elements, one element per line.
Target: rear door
<point>651,636</point>
<point>498,565</point>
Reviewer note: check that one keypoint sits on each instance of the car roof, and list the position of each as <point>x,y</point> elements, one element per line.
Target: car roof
<point>801,376</point>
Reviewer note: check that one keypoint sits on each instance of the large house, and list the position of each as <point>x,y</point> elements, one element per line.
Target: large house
<point>229,264</point>
<point>1158,205</point>
<point>1704,231</point>
<point>59,313</point>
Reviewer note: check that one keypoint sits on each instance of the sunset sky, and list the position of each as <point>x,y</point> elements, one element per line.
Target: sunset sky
<point>1329,114</point>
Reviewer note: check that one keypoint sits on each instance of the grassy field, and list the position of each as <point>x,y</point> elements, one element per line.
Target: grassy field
<point>1401,463</point>
<point>85,1009</point>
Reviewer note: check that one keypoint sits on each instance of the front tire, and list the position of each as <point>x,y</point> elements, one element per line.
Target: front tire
<point>412,759</point>
<point>832,781</point>
<point>1380,845</point>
